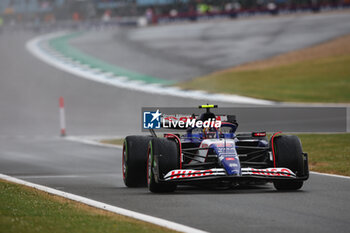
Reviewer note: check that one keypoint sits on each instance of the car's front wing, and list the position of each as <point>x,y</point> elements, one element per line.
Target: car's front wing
<point>183,175</point>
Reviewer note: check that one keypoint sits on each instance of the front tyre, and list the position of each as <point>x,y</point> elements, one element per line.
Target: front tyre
<point>134,162</point>
<point>289,154</point>
<point>288,185</point>
<point>163,156</point>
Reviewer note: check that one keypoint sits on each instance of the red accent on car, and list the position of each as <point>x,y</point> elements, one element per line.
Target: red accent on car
<point>188,174</point>
<point>230,158</point>
<point>273,148</point>
<point>286,171</point>
<point>271,172</point>
<point>259,134</point>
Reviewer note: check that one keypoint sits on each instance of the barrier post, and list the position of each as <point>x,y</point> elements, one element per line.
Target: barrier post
<point>62,117</point>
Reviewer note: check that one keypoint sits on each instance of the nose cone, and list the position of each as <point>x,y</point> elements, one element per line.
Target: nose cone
<point>231,164</point>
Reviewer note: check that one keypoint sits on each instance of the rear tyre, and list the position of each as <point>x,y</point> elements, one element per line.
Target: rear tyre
<point>289,154</point>
<point>134,162</point>
<point>163,156</point>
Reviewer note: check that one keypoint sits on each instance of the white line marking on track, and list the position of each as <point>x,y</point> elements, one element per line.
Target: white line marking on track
<point>332,175</point>
<point>68,176</point>
<point>90,141</point>
<point>52,176</point>
<point>43,53</point>
<point>104,206</point>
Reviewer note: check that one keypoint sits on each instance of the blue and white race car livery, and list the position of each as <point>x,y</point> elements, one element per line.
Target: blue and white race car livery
<point>214,156</point>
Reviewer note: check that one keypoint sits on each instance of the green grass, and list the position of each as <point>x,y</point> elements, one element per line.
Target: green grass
<point>318,80</point>
<point>329,153</point>
<point>117,141</point>
<point>23,209</point>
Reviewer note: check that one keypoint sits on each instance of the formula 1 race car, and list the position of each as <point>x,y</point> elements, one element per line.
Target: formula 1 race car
<point>213,156</point>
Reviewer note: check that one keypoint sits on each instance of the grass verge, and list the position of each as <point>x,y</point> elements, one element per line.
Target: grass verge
<point>328,153</point>
<point>23,209</point>
<point>117,141</point>
<point>317,74</point>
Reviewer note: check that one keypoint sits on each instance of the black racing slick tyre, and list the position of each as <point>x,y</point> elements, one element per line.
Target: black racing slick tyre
<point>163,156</point>
<point>289,154</point>
<point>134,162</point>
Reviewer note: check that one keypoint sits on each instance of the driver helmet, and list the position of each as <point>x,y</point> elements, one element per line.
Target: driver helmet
<point>209,132</point>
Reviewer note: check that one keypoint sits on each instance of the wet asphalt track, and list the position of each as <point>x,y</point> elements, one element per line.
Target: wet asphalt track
<point>188,50</point>
<point>30,149</point>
